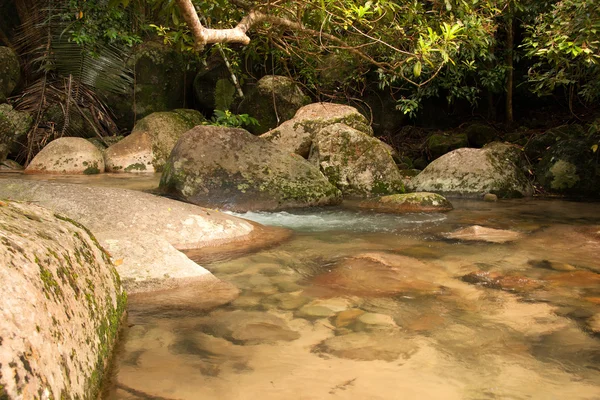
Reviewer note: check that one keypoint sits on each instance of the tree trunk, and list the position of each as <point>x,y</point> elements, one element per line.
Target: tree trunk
<point>510,39</point>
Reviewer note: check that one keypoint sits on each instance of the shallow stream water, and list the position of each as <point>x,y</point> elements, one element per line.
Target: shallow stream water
<point>358,305</point>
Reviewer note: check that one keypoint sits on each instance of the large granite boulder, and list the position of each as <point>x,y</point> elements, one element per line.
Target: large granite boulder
<point>356,163</point>
<point>10,72</point>
<point>496,168</point>
<point>230,168</point>
<point>61,304</point>
<point>147,147</point>
<point>13,127</point>
<point>297,134</point>
<point>67,155</point>
<point>273,100</point>
<point>144,233</point>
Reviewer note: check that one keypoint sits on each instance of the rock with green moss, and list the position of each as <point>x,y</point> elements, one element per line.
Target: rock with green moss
<point>161,83</point>
<point>273,100</point>
<point>567,163</point>
<point>297,134</point>
<point>147,147</point>
<point>213,88</point>
<point>13,127</point>
<point>408,203</point>
<point>439,144</point>
<point>10,72</point>
<point>479,135</point>
<point>354,162</point>
<point>229,168</point>
<point>473,172</point>
<point>62,305</point>
<point>67,155</point>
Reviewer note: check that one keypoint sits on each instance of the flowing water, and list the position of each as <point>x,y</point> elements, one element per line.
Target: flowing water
<point>360,305</point>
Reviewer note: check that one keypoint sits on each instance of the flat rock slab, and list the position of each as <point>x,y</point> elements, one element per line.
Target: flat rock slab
<point>143,232</point>
<point>482,234</point>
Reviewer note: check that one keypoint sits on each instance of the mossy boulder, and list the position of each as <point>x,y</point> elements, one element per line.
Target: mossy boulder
<point>479,135</point>
<point>468,172</point>
<point>10,72</point>
<point>62,305</point>
<point>147,147</point>
<point>273,100</point>
<point>408,203</point>
<point>13,127</point>
<point>566,162</point>
<point>161,84</point>
<point>213,88</point>
<point>439,144</point>
<point>229,168</point>
<point>297,134</point>
<point>68,155</point>
<point>354,162</point>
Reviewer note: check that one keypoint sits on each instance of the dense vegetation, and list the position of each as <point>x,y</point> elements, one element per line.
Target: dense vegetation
<point>473,57</point>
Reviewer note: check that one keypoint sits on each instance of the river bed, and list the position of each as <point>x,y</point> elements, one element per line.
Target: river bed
<point>358,305</point>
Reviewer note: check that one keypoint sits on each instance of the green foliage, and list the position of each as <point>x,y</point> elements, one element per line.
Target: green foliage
<point>227,118</point>
<point>564,42</point>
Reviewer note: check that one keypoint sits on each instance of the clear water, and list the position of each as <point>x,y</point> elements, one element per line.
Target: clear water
<point>317,319</point>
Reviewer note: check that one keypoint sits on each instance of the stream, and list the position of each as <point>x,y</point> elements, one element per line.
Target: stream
<point>358,305</point>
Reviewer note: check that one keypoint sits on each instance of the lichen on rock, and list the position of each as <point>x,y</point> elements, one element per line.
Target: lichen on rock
<point>61,305</point>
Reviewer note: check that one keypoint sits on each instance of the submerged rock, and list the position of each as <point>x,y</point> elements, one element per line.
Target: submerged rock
<point>408,203</point>
<point>148,146</point>
<point>297,134</point>
<point>483,234</point>
<point>386,346</point>
<point>273,100</point>
<point>512,283</point>
<point>379,274</point>
<point>229,168</point>
<point>247,327</point>
<point>473,172</point>
<point>61,304</point>
<point>68,155</point>
<point>356,163</point>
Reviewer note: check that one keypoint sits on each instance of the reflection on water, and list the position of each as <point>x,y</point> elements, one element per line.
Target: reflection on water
<point>366,306</point>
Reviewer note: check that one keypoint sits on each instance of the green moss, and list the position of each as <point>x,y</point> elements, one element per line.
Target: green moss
<point>135,167</point>
<point>92,169</point>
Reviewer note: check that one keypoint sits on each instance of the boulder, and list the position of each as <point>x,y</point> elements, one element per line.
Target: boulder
<point>213,88</point>
<point>143,233</point>
<point>161,83</point>
<point>273,100</point>
<point>67,155</point>
<point>14,125</point>
<point>10,72</point>
<point>297,134</point>
<point>147,147</point>
<point>439,144</point>
<point>479,135</point>
<point>61,304</point>
<point>470,172</point>
<point>567,163</point>
<point>356,163</point>
<point>230,168</point>
<point>408,203</point>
